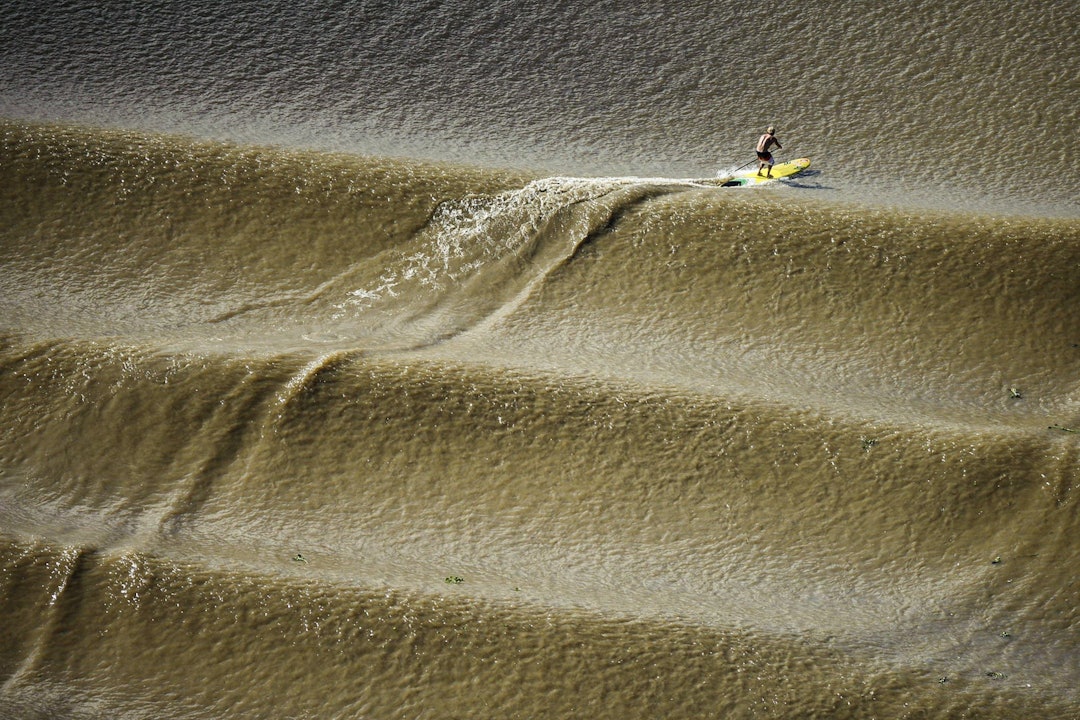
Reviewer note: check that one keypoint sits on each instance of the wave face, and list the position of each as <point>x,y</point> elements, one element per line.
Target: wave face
<point>946,102</point>
<point>292,428</point>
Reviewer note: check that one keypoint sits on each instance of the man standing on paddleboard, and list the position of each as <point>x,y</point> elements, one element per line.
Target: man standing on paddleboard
<point>764,157</point>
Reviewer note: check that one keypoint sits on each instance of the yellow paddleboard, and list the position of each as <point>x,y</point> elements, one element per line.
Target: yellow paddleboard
<point>779,171</point>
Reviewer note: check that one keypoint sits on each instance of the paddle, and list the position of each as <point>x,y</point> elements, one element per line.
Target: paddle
<point>746,165</point>
<point>741,167</point>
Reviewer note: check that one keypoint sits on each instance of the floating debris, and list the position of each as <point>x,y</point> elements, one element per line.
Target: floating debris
<point>1063,429</point>
<point>454,580</point>
<point>1015,393</point>
<point>868,443</point>
<point>299,558</point>
<point>996,561</point>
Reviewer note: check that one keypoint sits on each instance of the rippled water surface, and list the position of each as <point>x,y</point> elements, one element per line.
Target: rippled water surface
<point>372,360</point>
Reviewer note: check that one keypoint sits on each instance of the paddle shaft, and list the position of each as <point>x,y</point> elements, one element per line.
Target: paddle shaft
<point>746,165</point>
